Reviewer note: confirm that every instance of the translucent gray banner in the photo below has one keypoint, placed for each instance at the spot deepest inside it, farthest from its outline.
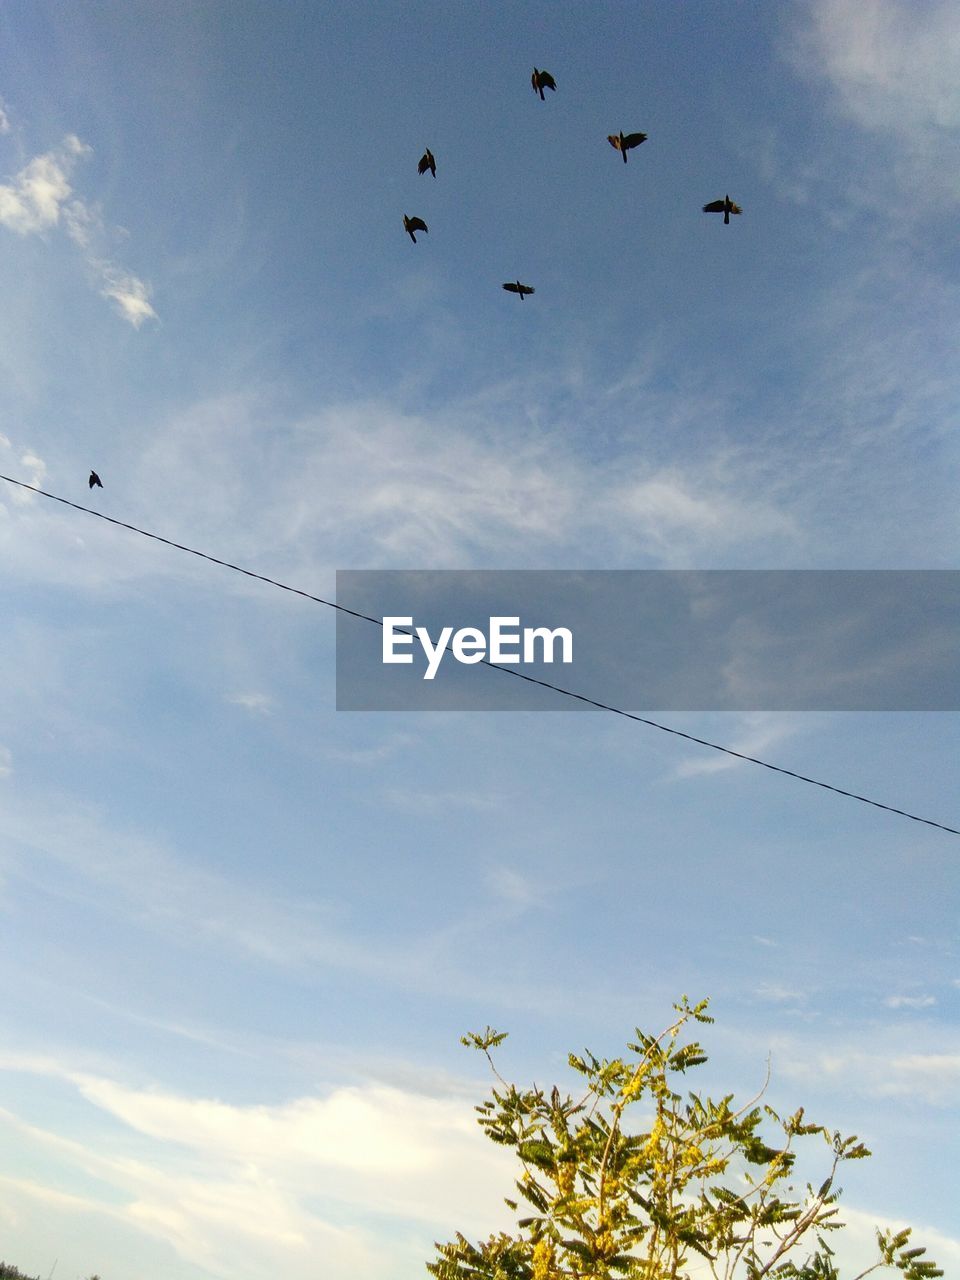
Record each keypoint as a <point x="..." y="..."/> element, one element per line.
<point x="679" y="640"/>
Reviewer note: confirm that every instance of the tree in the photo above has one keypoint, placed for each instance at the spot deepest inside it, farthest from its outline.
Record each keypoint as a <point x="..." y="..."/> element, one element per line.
<point x="699" y="1181"/>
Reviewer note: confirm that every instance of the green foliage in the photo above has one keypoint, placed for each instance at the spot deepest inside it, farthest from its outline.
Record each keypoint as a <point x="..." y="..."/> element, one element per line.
<point x="701" y="1179"/>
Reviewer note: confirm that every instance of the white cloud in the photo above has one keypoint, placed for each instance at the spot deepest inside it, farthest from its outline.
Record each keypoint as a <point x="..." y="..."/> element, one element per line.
<point x="33" y="202"/>
<point x="894" y="67"/>
<point x="909" y="1002"/>
<point x="373" y="1130"/>
<point x="4" y="118"/>
<point x="129" y="293"/>
<point x="856" y="1245"/>
<point x="33" y="471"/>
<point x="931" y="1078"/>
<point x="239" y="1188"/>
<point x="516" y="890"/>
<point x="758" y="732"/>
<point x="776" y="994"/>
<point x="391" y="746"/>
<point x="437" y="802"/>
<point x="35" y="199"/>
<point x="671" y="505"/>
<point x="438" y="492"/>
<point x="895" y="64"/>
<point x="39" y="198"/>
<point x="257" y="703"/>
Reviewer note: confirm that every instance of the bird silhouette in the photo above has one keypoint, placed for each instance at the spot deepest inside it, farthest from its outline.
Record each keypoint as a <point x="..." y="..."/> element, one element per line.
<point x="542" y="80"/>
<point x="427" y="162"/>
<point x="724" y="206"/>
<point x="410" y="225"/>
<point x="95" y="480"/>
<point x="519" y="288"/>
<point x="625" y="142"/>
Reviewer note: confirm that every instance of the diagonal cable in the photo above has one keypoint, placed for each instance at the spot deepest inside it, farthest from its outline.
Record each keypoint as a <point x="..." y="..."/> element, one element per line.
<point x="509" y="671"/>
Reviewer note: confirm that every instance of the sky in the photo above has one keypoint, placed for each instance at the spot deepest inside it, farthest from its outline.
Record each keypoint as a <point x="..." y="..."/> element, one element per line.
<point x="242" y="931"/>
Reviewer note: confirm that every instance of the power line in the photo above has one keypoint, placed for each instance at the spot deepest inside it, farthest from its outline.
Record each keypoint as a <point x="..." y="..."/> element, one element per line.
<point x="519" y="675"/>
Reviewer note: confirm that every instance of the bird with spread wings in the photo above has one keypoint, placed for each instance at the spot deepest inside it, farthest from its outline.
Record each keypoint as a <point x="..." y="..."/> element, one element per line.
<point x="625" y="142"/>
<point x="542" y="80"/>
<point x="410" y="225"/>
<point x="724" y="206"/>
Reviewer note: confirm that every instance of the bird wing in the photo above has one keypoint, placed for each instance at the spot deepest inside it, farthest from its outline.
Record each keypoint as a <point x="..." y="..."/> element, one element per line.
<point x="424" y="165"/>
<point x="634" y="139"/>
<point x="614" y="140"/>
<point x="417" y="224"/>
<point x="512" y="288"/>
<point x="735" y="208"/>
<point x="525" y="288"/>
<point x="547" y="80"/>
<point x="715" y="206"/>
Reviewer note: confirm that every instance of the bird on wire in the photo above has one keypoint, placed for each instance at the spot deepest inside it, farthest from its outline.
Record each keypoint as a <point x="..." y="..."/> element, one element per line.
<point x="542" y="80"/>
<point x="724" y="206"/>
<point x="410" y="225"/>
<point x="625" y="142"/>
<point x="427" y="162"/>
<point x="519" y="288"/>
<point x="95" y="480"/>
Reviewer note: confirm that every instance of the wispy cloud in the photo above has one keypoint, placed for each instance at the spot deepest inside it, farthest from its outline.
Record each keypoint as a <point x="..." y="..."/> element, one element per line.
<point x="282" y="1183"/>
<point x="931" y="1078"/>
<point x="130" y="294"/>
<point x="894" y="69"/>
<point x="894" y="64"/>
<point x="35" y="200"/>
<point x="372" y="485"/>
<point x="773" y="993"/>
<point x="34" y="471"/>
<point x="437" y="802"/>
<point x="41" y="197"/>
<point x="385" y="750"/>
<point x="257" y="703"/>
<point x="758" y="731"/>
<point x="518" y="892"/>
<point x="910" y="1002"/>
<point x="855" y="1246"/>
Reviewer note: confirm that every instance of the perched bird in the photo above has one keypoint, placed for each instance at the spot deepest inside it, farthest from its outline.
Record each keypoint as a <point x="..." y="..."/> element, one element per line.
<point x="542" y="80"/>
<point x="95" y="480"/>
<point x="724" y="206"/>
<point x="410" y="225"/>
<point x="427" y="162"/>
<point x="519" y="288"/>
<point x="625" y="143"/>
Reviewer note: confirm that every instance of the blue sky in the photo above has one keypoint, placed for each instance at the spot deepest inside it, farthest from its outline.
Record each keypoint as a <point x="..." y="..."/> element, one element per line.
<point x="242" y="931"/>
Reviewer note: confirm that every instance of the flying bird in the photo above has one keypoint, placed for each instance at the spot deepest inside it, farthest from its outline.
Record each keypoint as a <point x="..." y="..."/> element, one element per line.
<point x="410" y="225"/>
<point x="625" y="142"/>
<point x="95" y="480"/>
<point x="427" y="162"/>
<point x="519" y="288"/>
<point x="724" y="206"/>
<point x="542" y="80"/>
